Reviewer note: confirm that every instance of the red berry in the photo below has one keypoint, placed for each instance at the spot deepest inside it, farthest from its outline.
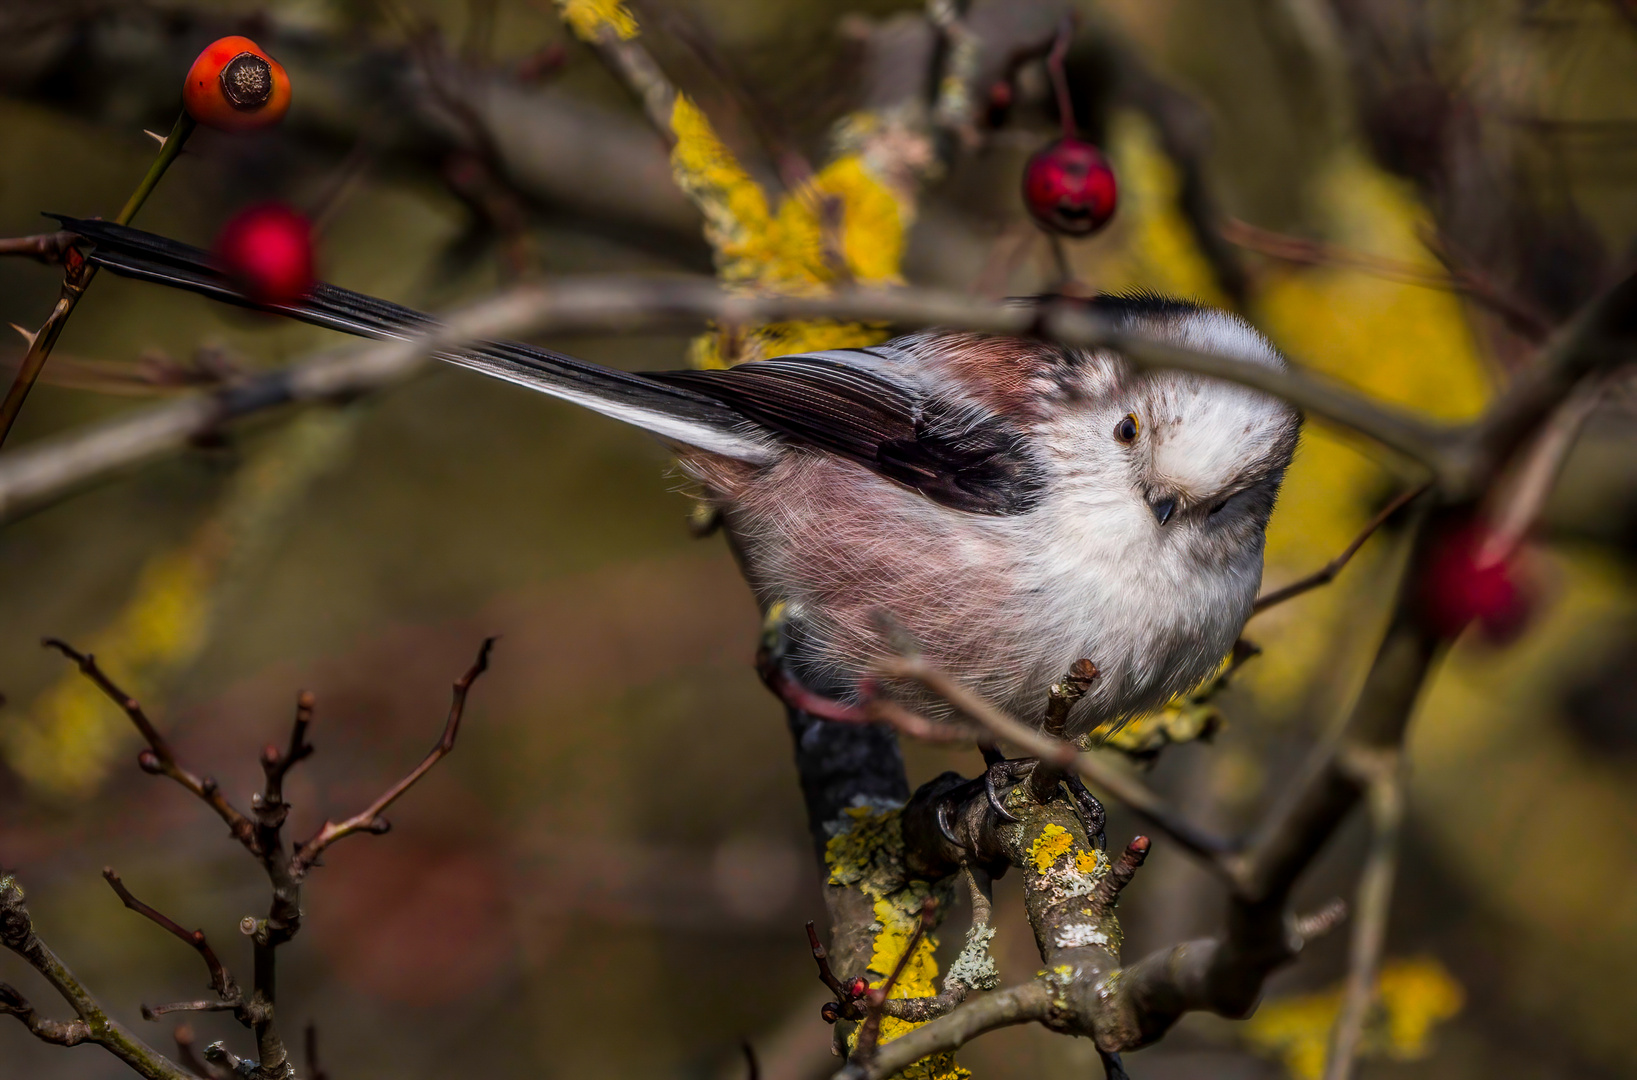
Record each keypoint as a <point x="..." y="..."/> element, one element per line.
<point x="858" y="988"/>
<point x="1069" y="187"/>
<point x="268" y="251"/>
<point x="1458" y="587"/>
<point x="234" y="86"/>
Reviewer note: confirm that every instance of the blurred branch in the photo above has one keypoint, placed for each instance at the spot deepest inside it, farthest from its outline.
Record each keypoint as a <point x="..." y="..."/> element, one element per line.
<point x="617" y="305"/>
<point x="1211" y="850"/>
<point x="370" y="820"/>
<point x="1533" y="323"/>
<point x="159" y="759"/>
<point x="1384" y="775"/>
<point x="1327" y="573"/>
<point x="1516" y="500"/>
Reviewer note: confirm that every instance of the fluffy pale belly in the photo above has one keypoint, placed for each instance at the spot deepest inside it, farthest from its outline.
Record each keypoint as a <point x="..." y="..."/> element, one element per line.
<point x="967" y="591"/>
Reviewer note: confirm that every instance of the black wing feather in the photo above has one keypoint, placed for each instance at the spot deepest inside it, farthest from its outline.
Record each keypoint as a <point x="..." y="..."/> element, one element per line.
<point x="971" y="462"/>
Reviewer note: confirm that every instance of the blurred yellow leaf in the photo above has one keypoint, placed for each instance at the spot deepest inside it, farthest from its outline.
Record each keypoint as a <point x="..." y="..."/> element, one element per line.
<point x="1412" y="997"/>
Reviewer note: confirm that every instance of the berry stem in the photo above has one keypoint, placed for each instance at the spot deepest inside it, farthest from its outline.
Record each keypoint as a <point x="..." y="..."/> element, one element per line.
<point x="167" y="153"/>
<point x="78" y="278"/>
<point x="1060" y="80"/>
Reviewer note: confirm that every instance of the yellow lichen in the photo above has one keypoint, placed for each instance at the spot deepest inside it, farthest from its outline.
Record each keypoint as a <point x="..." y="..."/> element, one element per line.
<point x="1052" y="844"/>
<point x="1412" y="996"/>
<point x="843" y="223"/>
<point x="590" y="19"/>
<point x="72" y="732"/>
<point x="1086" y="862"/>
<point x="867" y="853"/>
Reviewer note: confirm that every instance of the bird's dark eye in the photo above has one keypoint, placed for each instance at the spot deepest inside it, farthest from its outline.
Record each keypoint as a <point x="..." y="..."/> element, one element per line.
<point x="1126" y="430"/>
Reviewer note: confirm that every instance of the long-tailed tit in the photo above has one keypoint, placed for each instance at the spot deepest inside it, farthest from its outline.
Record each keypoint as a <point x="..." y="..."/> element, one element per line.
<point x="1014" y="505"/>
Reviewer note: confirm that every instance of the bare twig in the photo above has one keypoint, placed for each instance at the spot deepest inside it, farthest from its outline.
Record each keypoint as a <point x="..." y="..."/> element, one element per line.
<point x="1326" y="574"/>
<point x="43" y="247"/>
<point x="1533" y="323"/>
<point x="61" y="1032"/>
<point x="1515" y="502"/>
<point x="94" y="1024"/>
<point x="159" y="759"/>
<point x="369" y="820"/>
<point x="1212" y="850"/>
<point x="314" y="1072"/>
<point x="220" y="980"/>
<point x="1384" y="774"/>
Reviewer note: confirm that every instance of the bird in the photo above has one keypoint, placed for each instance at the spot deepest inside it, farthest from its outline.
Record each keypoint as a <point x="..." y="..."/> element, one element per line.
<point x="1009" y="504"/>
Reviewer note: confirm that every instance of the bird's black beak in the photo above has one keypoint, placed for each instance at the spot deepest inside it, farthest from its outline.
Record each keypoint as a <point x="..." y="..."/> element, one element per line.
<point x="1162" y="508"/>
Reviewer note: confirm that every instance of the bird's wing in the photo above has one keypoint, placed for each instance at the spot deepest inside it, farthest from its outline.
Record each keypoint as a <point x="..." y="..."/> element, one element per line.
<point x="837" y="402"/>
<point x="947" y="450"/>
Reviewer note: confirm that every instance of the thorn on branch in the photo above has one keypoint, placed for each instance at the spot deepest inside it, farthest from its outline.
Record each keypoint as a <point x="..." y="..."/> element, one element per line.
<point x="369" y="820"/>
<point x="220" y="980"/>
<point x="1064" y="695"/>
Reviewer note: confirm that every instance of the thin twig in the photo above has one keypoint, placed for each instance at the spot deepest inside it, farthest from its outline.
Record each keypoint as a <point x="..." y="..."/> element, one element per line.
<point x="1516" y="501"/>
<point x="1328" y="572"/>
<point x="44" y="247"/>
<point x="220" y="980"/>
<point x="369" y="820"/>
<point x="154" y="1012"/>
<point x="1304" y="252"/>
<point x="61" y="1032"/>
<point x="314" y="1071"/>
<point x="1214" y="851"/>
<point x="1375" y="894"/>
<point x="158" y="759"/>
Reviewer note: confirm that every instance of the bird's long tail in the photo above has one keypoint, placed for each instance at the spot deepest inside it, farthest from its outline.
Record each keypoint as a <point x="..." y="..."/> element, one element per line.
<point x="672" y="412"/>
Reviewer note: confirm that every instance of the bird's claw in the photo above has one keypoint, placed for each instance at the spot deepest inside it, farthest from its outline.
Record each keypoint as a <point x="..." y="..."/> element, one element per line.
<point x="1089" y="809"/>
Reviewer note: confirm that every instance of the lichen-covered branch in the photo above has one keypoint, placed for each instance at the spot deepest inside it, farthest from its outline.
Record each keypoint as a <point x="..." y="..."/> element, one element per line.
<point x="94" y="1025"/>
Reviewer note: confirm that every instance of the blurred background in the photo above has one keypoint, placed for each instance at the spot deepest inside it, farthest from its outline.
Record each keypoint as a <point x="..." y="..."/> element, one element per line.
<point x="610" y="875"/>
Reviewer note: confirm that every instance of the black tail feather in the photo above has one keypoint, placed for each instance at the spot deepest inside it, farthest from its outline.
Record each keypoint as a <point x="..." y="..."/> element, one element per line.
<point x="671" y="411"/>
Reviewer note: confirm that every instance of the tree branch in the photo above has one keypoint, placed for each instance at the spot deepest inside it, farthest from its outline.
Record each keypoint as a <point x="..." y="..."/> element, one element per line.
<point x="1385" y="775"/>
<point x="1326" y="574"/>
<point x="93" y="1025"/>
<point x="159" y="759"/>
<point x="220" y="980"/>
<point x="370" y="820"/>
